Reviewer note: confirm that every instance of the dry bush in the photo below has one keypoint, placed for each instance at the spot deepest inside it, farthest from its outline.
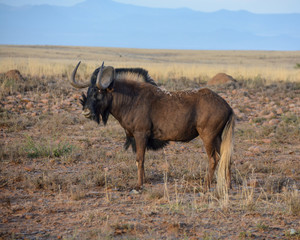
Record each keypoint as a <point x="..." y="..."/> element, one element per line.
<point x="292" y="200"/>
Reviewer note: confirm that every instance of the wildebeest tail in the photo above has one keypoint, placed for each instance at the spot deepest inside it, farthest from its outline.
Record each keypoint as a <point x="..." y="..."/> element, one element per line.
<point x="223" y="175"/>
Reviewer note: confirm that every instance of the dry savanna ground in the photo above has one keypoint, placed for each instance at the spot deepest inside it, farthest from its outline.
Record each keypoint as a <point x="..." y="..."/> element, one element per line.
<point x="65" y="177"/>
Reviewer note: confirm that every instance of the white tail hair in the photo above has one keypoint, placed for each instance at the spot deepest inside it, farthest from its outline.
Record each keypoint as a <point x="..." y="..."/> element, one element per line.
<point x="223" y="174"/>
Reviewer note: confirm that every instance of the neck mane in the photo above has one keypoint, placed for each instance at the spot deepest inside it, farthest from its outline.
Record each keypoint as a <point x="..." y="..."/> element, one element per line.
<point x="134" y="74"/>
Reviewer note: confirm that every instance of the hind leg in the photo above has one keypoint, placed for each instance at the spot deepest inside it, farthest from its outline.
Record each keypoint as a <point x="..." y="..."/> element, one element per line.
<point x="212" y="148"/>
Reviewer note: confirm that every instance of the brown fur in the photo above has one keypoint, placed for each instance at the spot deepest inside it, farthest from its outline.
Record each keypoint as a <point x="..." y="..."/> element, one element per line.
<point x="148" y="113"/>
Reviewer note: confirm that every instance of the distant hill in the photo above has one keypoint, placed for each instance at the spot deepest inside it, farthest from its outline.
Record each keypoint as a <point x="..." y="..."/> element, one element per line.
<point x="111" y="24"/>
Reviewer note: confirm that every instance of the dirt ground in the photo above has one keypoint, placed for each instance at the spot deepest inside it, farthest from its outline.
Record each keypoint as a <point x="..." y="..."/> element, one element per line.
<point x="65" y="177"/>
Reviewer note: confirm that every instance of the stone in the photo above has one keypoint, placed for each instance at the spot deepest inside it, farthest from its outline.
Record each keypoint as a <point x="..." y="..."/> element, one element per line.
<point x="266" y="140"/>
<point x="29" y="105"/>
<point x="134" y="192"/>
<point x="274" y="122"/>
<point x="46" y="95"/>
<point x="109" y="154"/>
<point x="279" y="111"/>
<point x="45" y="101"/>
<point x="25" y="100"/>
<point x="255" y="149"/>
<point x="293" y="232"/>
<point x="270" y="115"/>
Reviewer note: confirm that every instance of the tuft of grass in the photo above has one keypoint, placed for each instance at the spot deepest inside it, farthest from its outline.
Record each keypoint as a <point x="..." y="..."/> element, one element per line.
<point x="288" y="129"/>
<point x="53" y="182"/>
<point x="34" y="149"/>
<point x="255" y="82"/>
<point x="291" y="119"/>
<point x="155" y="194"/>
<point x="292" y="200"/>
<point x="77" y="193"/>
<point x="262" y="226"/>
<point x="245" y="235"/>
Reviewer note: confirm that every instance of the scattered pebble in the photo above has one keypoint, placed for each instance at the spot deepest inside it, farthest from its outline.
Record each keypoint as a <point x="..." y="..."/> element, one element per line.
<point x="134" y="191"/>
<point x="293" y="232"/>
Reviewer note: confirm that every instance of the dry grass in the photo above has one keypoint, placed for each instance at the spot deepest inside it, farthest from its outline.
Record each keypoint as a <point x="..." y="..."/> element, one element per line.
<point x="161" y="64"/>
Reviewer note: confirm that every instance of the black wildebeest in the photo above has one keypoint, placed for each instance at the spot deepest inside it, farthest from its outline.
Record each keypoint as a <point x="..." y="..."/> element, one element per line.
<point x="151" y="116"/>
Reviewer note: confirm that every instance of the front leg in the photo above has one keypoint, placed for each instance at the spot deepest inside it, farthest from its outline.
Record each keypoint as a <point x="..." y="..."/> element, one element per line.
<point x="141" y="141"/>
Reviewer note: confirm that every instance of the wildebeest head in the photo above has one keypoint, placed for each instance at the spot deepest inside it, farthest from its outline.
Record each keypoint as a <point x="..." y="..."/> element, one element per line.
<point x="97" y="101"/>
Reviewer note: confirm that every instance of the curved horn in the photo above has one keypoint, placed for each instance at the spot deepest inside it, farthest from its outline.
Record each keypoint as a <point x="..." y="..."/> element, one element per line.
<point x="74" y="83"/>
<point x="99" y="76"/>
<point x="105" y="77"/>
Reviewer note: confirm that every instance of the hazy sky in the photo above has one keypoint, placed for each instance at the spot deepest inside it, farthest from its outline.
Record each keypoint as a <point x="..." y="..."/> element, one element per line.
<point x="256" y="6"/>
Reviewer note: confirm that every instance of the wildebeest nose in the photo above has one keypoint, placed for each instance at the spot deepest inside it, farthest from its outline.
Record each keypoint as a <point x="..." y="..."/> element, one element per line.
<point x="86" y="112"/>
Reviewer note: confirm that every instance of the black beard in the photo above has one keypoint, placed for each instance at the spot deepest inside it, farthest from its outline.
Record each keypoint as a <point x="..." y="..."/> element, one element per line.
<point x="83" y="100"/>
<point x="105" y="116"/>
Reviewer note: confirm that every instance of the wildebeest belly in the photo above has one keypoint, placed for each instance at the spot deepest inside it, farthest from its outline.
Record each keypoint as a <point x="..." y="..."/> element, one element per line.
<point x="172" y="131"/>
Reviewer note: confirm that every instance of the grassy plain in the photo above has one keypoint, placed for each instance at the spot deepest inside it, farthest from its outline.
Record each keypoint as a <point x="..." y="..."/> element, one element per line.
<point x="161" y="64"/>
<point x="65" y="177"/>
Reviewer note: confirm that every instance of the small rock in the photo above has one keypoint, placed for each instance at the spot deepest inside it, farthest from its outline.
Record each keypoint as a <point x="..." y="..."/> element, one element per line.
<point x="292" y="105"/>
<point x="272" y="103"/>
<point x="29" y="105"/>
<point x="274" y="122"/>
<point x="28" y="216"/>
<point x="270" y="115"/>
<point x="67" y="102"/>
<point x="46" y="95"/>
<point x="76" y="96"/>
<point x="28" y="168"/>
<point x="45" y="101"/>
<point x="279" y="111"/>
<point x="266" y="140"/>
<point x="255" y="149"/>
<point x="134" y="191"/>
<point x="262" y="113"/>
<point x="252" y="183"/>
<point x="25" y="100"/>
<point x="182" y="148"/>
<point x="109" y="154"/>
<point x="8" y="106"/>
<point x="271" y="135"/>
<point x="293" y="232"/>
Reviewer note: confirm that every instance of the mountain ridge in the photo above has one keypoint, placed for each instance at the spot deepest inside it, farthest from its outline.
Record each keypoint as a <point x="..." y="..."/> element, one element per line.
<point x="112" y="24"/>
